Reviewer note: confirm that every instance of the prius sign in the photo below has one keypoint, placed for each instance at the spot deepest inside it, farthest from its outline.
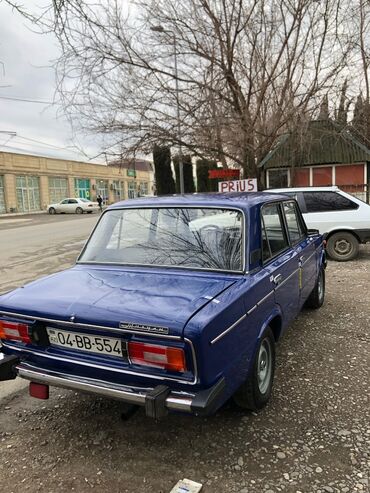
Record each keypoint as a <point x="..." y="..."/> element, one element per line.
<point x="247" y="185"/>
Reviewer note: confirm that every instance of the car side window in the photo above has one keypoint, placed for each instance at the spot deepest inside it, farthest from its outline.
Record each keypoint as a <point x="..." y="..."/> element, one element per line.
<point x="274" y="239"/>
<point x="72" y="201"/>
<point x="295" y="229"/>
<point x="327" y="201"/>
<point x="64" y="201"/>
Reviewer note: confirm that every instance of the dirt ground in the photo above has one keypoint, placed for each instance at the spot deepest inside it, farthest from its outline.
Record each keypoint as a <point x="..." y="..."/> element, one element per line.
<point x="314" y="436"/>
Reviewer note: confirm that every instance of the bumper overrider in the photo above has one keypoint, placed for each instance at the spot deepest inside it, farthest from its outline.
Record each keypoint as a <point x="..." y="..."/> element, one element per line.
<point x="157" y="401"/>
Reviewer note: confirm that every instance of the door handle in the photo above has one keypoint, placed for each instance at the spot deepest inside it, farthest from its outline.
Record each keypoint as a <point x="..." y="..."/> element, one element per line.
<point x="277" y="279"/>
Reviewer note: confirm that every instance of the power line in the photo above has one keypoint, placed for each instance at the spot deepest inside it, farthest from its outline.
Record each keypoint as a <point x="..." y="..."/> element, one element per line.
<point x="42" y="143"/>
<point x="38" y="101"/>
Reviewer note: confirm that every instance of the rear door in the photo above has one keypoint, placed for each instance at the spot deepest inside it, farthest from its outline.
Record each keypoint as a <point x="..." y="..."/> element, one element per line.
<point x="72" y="205"/>
<point x="304" y="247"/>
<point x="280" y="260"/>
<point x="63" y="206"/>
<point x="327" y="211"/>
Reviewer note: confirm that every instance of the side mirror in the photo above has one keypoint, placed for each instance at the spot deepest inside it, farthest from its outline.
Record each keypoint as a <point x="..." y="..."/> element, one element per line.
<point x="313" y="232"/>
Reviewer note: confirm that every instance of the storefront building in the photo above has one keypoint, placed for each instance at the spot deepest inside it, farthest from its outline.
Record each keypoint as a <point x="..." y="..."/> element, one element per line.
<point x="29" y="183"/>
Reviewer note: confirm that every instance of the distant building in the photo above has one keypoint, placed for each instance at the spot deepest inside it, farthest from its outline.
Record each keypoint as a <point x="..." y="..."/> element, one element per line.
<point x="133" y="169"/>
<point x="28" y="183"/>
<point x="324" y="154"/>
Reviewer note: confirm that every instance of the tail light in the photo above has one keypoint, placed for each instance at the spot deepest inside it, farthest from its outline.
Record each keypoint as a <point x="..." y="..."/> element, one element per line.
<point x="165" y="357"/>
<point x="14" y="331"/>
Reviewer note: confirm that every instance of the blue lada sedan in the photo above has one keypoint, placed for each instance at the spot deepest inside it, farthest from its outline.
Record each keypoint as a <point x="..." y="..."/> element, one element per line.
<point x="175" y="304"/>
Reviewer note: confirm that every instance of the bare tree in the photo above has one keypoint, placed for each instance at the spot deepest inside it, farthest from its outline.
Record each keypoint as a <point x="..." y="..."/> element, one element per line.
<point x="248" y="71"/>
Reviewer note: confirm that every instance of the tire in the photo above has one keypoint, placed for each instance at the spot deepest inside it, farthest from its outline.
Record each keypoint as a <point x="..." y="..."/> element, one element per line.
<point x="79" y="210"/>
<point x="51" y="210"/>
<point x="256" y="391"/>
<point x="342" y="246"/>
<point x="317" y="296"/>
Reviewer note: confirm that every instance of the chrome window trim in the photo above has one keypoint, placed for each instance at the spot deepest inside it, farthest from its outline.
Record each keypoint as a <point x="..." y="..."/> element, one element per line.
<point x="284" y="229"/>
<point x="185" y="206"/>
<point x="299" y="219"/>
<point x="115" y="330"/>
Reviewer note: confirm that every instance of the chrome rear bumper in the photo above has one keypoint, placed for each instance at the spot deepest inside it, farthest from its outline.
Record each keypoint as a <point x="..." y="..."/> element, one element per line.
<point x="157" y="401"/>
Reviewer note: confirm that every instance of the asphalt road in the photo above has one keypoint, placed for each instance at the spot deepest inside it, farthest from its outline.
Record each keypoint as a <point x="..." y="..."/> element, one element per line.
<point x="34" y="246"/>
<point x="313" y="437"/>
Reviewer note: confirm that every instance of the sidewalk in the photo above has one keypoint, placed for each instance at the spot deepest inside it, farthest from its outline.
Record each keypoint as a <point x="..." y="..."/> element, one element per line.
<point x="15" y="214"/>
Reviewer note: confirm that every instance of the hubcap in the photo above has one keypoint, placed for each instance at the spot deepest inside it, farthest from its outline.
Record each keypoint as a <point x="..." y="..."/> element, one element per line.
<point x="264" y="366"/>
<point x="342" y="247"/>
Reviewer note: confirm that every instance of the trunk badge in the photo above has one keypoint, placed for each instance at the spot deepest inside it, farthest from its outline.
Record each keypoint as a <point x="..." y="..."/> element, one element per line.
<point x="72" y="318"/>
<point x="155" y="329"/>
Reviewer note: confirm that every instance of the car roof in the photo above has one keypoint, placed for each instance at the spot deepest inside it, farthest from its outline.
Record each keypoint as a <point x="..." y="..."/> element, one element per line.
<point x="333" y="188"/>
<point x="244" y="200"/>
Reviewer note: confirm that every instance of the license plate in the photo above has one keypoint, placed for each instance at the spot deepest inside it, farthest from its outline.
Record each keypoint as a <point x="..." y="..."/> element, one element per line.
<point x="86" y="342"/>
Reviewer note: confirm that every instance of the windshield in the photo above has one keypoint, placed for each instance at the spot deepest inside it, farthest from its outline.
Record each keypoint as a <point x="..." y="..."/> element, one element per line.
<point x="178" y="237"/>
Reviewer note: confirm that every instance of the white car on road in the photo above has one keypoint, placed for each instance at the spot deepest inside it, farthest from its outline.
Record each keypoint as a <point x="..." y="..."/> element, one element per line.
<point x="73" y="206"/>
<point x="344" y="218"/>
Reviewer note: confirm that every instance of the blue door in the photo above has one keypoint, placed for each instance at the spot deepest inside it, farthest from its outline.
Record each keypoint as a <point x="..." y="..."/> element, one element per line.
<point x="304" y="247"/>
<point x="280" y="260"/>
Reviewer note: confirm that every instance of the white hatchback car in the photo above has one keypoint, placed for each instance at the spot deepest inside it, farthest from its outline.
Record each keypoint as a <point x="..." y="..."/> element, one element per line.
<point x="344" y="218"/>
<point x="73" y="206"/>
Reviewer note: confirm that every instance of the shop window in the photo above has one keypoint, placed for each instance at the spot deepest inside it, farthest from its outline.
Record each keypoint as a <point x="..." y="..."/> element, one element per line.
<point x="28" y="193"/>
<point x="278" y="178"/>
<point x="58" y="189"/>
<point x="322" y="177"/>
<point x="301" y="177"/>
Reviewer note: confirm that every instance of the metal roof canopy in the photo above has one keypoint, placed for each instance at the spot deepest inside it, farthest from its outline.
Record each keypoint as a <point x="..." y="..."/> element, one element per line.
<point x="322" y="142"/>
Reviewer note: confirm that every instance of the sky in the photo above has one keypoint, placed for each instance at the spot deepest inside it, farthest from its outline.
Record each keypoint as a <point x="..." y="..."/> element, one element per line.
<point x="26" y="72"/>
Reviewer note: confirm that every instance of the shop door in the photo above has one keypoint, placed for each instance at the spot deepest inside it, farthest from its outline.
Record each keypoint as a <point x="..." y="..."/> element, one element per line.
<point x="82" y="188"/>
<point x="28" y="193"/>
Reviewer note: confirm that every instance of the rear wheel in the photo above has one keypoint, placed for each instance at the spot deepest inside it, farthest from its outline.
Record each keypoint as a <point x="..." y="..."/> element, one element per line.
<point x="52" y="210"/>
<point x="79" y="210"/>
<point x="255" y="392"/>
<point x="316" y="298"/>
<point x="342" y="246"/>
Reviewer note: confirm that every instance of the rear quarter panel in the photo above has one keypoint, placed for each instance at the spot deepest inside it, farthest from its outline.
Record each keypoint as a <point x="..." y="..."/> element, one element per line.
<point x="231" y="355"/>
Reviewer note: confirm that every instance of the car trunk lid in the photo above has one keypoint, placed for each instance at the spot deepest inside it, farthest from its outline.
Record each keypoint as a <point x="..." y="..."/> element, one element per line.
<point x="112" y="297"/>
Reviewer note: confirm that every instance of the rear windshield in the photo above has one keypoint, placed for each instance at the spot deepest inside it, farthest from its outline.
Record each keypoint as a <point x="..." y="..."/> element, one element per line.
<point x="178" y="237"/>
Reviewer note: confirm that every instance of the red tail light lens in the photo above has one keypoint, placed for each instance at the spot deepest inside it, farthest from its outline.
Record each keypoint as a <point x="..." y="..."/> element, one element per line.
<point x="14" y="331"/>
<point x="165" y="357"/>
<point x="39" y="390"/>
